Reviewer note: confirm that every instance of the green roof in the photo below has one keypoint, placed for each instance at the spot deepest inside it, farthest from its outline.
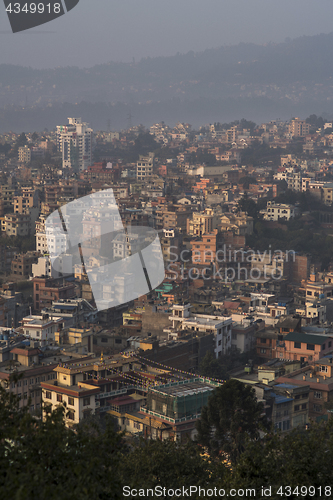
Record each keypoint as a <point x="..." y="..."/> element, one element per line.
<point x="307" y="338"/>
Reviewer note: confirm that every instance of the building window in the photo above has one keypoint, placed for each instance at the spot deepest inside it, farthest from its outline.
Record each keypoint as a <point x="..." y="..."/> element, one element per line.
<point x="286" y="425"/>
<point x="317" y="394"/>
<point x="48" y="395"/>
<point x="297" y="345"/>
<point x="71" y="401"/>
<point x="86" y="401"/>
<point x="310" y="347"/>
<point x="71" y="415"/>
<point x="297" y="407"/>
<point x="59" y="398"/>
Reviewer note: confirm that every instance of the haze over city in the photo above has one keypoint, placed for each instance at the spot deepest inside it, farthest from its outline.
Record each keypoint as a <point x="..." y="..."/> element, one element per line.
<point x="99" y="31"/>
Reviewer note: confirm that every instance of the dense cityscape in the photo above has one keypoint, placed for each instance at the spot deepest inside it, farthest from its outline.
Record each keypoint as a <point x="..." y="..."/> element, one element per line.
<point x="229" y="357"/>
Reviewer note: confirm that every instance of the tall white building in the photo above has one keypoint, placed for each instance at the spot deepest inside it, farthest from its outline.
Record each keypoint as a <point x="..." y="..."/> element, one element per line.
<point x="144" y="166"/>
<point x="75" y="142"/>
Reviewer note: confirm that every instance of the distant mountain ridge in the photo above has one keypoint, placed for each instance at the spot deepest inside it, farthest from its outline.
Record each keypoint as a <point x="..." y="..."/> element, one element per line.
<point x="295" y="75"/>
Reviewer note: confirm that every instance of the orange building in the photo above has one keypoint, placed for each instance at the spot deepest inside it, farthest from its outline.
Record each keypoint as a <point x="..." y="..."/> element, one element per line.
<point x="204" y="249"/>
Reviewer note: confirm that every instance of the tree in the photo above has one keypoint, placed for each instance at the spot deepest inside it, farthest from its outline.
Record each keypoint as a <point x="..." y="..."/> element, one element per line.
<point x="231" y="418"/>
<point x="248" y="205"/>
<point x="45" y="459"/>
<point x="169" y="464"/>
<point x="296" y="460"/>
<point x="246" y="181"/>
<point x="211" y="367"/>
<point x="22" y="140"/>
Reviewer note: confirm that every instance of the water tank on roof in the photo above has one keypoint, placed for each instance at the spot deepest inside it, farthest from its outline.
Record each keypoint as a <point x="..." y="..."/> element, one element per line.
<point x="322" y="296"/>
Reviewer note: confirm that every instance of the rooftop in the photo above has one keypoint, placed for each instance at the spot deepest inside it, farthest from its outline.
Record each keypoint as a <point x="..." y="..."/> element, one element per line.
<point x="307" y="338"/>
<point x="186" y="388"/>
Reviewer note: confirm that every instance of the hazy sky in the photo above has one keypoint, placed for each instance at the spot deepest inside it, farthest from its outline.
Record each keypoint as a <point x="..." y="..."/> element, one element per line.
<point x="98" y="31"/>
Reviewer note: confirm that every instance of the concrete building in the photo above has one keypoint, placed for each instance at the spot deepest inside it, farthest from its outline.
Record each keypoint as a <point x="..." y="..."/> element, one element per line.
<point x="22" y="264"/>
<point x="75" y="143"/>
<point x="299" y="128"/>
<point x="279" y="211"/>
<point x="239" y="223"/>
<point x="24" y="154"/>
<point x="73" y="311"/>
<point x="290" y="406"/>
<point x="177" y="405"/>
<point x="220" y="326"/>
<point x="304" y="347"/>
<point x="318" y="376"/>
<point x="47" y="289"/>
<point x="80" y="398"/>
<point x="16" y="224"/>
<point x="293" y="177"/>
<point x="202" y="222"/>
<point x="144" y="166"/>
<point x="42" y="328"/>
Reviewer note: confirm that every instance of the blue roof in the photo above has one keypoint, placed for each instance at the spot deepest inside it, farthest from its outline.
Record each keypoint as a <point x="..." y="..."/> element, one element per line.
<point x="286" y="386"/>
<point x="281" y="399"/>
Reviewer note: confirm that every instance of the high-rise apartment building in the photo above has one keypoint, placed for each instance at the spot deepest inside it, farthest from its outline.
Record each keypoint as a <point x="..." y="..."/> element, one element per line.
<point x="75" y="142"/>
<point x="144" y="166"/>
<point x="299" y="128"/>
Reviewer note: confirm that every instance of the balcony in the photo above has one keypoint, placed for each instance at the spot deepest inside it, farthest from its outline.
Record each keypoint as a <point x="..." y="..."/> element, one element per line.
<point x="280" y="343"/>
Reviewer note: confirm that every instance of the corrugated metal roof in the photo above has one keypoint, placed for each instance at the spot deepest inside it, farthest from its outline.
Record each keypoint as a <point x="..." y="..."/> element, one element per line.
<point x="307" y="338"/>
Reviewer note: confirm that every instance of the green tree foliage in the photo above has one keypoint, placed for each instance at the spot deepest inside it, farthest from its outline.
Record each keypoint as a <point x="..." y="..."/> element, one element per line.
<point x="249" y="206"/>
<point x="232" y="418"/>
<point x="22" y="140"/>
<point x="246" y="181"/>
<point x="145" y="143"/>
<point x="4" y="148"/>
<point x="243" y="123"/>
<point x="168" y="464"/>
<point x="45" y="460"/>
<point x="261" y="154"/>
<point x="24" y="243"/>
<point x="302" y="457"/>
<point x="218" y="368"/>
<point x="202" y="156"/>
<point x="212" y="368"/>
<point x="315" y="121"/>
